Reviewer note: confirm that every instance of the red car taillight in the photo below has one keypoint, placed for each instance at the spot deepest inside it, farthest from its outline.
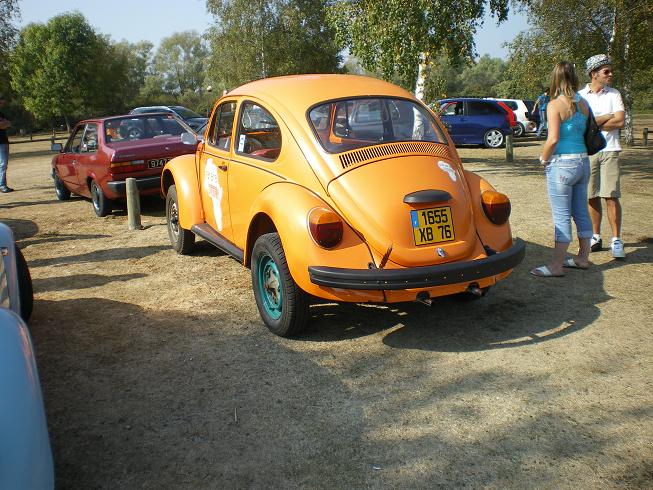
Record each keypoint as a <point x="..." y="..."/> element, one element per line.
<point x="510" y="115"/>
<point x="325" y="227"/>
<point x="124" y="167"/>
<point x="496" y="206"/>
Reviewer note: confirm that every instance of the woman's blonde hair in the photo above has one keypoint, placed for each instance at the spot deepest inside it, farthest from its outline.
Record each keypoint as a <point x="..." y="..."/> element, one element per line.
<point x="563" y="80"/>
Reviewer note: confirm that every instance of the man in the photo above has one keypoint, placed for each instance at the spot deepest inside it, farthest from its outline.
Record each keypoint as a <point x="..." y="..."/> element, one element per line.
<point x="608" y="108"/>
<point x="4" y="148"/>
<point x="540" y="103"/>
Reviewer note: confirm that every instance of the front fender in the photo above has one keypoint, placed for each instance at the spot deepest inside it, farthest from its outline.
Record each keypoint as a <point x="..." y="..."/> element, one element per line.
<point x="287" y="206"/>
<point x="497" y="237"/>
<point x="181" y="172"/>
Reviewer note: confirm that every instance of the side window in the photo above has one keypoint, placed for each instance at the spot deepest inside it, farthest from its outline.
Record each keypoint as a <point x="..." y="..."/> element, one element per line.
<point x="258" y="133"/>
<point x="478" y="108"/>
<point x="89" y="140"/>
<point x="222" y="126"/>
<point x="74" y="143"/>
<point x="453" y="109"/>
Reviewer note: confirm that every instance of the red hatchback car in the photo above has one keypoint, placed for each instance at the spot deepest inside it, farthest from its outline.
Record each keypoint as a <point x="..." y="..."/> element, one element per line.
<point x="101" y="153"/>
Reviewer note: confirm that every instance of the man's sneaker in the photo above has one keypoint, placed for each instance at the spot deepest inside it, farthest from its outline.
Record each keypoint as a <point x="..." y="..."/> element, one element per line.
<point x="6" y="189"/>
<point x="617" y="248"/>
<point x="596" y="244"/>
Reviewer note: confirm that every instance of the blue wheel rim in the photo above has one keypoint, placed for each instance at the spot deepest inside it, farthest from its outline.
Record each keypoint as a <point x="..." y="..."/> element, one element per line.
<point x="269" y="286"/>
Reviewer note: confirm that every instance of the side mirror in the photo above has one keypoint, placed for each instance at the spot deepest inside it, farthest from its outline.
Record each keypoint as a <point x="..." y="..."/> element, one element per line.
<point x="56" y="147"/>
<point x="188" y="138"/>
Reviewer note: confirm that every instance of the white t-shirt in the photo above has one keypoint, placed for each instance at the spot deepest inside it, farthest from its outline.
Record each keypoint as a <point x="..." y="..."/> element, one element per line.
<point x="605" y="101"/>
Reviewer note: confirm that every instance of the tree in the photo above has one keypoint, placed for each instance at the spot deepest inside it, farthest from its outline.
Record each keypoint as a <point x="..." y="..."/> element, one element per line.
<point x="8" y="10"/>
<point x="55" y="68"/>
<point x="577" y="29"/>
<point x="254" y="39"/>
<point x="400" y="37"/>
<point x="180" y="62"/>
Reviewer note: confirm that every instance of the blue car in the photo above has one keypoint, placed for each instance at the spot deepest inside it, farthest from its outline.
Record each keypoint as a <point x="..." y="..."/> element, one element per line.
<point x="472" y="121"/>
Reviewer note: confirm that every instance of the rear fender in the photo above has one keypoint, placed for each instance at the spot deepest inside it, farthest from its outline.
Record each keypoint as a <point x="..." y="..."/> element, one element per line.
<point x="181" y="172"/>
<point x="497" y="237"/>
<point x="284" y="207"/>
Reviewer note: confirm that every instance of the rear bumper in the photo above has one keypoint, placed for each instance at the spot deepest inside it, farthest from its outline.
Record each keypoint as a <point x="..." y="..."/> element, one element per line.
<point x="419" y="277"/>
<point x="119" y="187"/>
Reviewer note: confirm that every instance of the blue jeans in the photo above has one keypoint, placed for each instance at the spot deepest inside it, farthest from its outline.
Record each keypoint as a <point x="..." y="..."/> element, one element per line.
<point x="542" y="125"/>
<point x="4" y="161"/>
<point x="566" y="178"/>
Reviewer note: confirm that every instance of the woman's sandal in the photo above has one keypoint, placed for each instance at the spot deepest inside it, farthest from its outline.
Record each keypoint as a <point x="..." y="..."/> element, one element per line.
<point x="543" y="271"/>
<point x="570" y="263"/>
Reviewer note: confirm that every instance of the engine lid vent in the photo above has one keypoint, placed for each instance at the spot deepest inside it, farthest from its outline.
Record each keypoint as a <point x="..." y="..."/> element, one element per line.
<point x="377" y="152"/>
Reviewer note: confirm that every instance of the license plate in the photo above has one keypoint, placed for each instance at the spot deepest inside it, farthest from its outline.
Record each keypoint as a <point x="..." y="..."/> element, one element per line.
<point x="433" y="225"/>
<point x="157" y="162"/>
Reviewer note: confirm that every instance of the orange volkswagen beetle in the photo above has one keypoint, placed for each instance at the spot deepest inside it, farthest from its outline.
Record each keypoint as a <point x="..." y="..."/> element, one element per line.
<point x="341" y="187"/>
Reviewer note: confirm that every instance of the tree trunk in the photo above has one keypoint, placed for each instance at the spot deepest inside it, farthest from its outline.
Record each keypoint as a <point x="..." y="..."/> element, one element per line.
<point x="67" y="124"/>
<point x="422" y="73"/>
<point x="629" y="138"/>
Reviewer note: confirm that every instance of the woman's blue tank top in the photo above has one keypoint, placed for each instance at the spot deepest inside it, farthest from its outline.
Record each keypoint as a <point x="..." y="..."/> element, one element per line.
<point x="572" y="132"/>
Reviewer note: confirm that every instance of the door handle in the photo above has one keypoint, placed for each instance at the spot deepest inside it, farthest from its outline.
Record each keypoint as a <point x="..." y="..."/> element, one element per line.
<point x="223" y="167"/>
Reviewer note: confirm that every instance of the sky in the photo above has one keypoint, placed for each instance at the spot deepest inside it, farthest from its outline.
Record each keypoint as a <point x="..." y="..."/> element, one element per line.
<point x="153" y="20"/>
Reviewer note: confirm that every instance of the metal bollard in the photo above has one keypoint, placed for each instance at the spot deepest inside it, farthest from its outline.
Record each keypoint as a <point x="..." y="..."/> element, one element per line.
<point x="133" y="205"/>
<point x="645" y="134"/>
<point x="509" y="148"/>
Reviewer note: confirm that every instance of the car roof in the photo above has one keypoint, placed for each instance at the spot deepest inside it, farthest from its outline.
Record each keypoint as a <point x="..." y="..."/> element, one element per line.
<point x="298" y="92"/>
<point x="108" y="118"/>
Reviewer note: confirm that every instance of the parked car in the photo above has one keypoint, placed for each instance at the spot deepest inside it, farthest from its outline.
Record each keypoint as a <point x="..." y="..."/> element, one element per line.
<point x="25" y="453"/>
<point x="101" y="153"/>
<point x="522" y="110"/>
<point x="340" y="187"/>
<point x="192" y="118"/>
<point x="473" y="121"/>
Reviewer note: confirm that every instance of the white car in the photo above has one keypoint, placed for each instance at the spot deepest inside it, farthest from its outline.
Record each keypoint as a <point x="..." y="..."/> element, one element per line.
<point x="521" y="108"/>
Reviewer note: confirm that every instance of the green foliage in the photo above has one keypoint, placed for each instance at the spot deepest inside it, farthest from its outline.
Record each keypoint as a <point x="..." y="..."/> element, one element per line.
<point x="179" y="62"/>
<point x="253" y="39"/>
<point x="391" y="35"/>
<point x="60" y="68"/>
<point x="8" y="10"/>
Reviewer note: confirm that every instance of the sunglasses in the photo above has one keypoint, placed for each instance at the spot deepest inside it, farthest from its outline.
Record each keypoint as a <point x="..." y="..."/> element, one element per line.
<point x="606" y="72"/>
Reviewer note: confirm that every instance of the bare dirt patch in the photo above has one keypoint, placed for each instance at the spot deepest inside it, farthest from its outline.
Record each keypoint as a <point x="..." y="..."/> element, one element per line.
<point x="158" y="373"/>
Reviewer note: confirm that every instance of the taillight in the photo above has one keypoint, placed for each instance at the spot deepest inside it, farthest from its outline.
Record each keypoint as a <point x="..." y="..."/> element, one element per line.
<point x="510" y="114"/>
<point x="325" y="227"/>
<point x="496" y="206"/>
<point x="123" y="167"/>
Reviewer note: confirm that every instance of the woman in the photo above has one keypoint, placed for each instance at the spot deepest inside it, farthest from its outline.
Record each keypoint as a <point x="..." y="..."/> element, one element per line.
<point x="564" y="155"/>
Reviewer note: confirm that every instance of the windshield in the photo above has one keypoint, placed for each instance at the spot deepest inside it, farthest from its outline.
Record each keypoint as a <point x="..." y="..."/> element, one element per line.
<point x="143" y="127"/>
<point x="185" y="113"/>
<point x="348" y="124"/>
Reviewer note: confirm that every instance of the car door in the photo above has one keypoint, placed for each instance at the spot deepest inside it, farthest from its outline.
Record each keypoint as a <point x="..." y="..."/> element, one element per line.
<point x="214" y="162"/>
<point x="67" y="161"/>
<point x="88" y="163"/>
<point x="454" y="119"/>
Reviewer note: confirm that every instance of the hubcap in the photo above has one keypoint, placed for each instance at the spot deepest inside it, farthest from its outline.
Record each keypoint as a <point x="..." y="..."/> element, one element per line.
<point x="269" y="283"/>
<point x="174" y="219"/>
<point x="96" y="196"/>
<point x="494" y="138"/>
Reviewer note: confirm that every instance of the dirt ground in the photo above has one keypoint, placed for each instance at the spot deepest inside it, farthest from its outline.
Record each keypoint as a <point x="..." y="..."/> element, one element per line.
<point x="158" y="373"/>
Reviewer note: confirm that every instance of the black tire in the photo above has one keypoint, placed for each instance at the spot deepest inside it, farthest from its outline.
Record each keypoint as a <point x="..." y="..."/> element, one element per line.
<point x="520" y="130"/>
<point x="25" y="291"/>
<point x="182" y="240"/>
<point x="493" y="138"/>
<point x="101" y="204"/>
<point x="282" y="304"/>
<point x="63" y="193"/>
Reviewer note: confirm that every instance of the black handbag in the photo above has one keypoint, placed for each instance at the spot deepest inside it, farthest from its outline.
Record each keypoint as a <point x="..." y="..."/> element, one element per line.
<point x="594" y="139"/>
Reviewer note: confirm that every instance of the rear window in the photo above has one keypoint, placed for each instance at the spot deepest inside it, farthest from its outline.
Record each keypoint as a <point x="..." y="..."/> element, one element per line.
<point x="141" y="128"/>
<point x="510" y="103"/>
<point x="355" y="123"/>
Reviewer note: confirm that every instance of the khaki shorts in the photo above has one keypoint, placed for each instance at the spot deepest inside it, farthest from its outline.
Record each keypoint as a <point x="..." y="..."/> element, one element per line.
<point x="604" y="175"/>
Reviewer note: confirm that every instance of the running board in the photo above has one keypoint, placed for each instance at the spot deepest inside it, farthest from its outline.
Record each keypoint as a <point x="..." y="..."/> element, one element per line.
<point x="214" y="238"/>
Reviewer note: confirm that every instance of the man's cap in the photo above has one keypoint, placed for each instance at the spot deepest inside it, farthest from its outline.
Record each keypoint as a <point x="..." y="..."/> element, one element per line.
<point x="597" y="61"/>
